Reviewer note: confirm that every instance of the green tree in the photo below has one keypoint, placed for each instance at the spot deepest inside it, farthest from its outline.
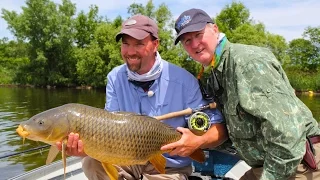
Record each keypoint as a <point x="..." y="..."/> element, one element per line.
<point x="252" y="34"/>
<point x="47" y="28"/>
<point x="13" y="55"/>
<point x="278" y="46"/>
<point x="85" y="26"/>
<point x="234" y="21"/>
<point x="117" y="22"/>
<point x="97" y="59"/>
<point x="313" y="33"/>
<point x="231" y="17"/>
<point x="303" y="54"/>
<point x="56" y="47"/>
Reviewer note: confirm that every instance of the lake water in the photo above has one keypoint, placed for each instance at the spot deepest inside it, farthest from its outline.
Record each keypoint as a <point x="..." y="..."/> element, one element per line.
<point x="19" y="104"/>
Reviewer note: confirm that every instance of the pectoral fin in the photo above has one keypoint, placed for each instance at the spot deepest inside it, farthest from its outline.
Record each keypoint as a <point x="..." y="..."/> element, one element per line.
<point x="111" y="171"/>
<point x="53" y="152"/>
<point x="64" y="157"/>
<point x="198" y="155"/>
<point x="159" y="163"/>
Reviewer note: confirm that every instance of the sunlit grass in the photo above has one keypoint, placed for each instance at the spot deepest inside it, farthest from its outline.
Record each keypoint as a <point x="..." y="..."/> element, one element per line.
<point x="304" y="81"/>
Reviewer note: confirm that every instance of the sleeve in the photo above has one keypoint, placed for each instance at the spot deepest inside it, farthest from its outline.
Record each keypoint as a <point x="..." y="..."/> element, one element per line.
<point x="264" y="93"/>
<point x="111" y="95"/>
<point x="195" y="100"/>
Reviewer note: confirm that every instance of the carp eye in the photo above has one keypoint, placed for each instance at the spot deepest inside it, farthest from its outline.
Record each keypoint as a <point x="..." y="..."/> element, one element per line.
<point x="41" y="122"/>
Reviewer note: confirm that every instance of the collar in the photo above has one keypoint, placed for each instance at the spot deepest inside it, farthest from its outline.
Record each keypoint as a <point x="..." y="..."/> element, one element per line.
<point x="223" y="57"/>
<point x="218" y="52"/>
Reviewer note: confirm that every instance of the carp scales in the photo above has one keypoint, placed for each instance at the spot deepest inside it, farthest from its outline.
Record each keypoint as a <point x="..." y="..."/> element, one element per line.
<point x="113" y="138"/>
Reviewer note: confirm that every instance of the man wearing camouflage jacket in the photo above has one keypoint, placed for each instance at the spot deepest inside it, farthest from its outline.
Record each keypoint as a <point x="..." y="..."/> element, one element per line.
<point x="272" y="130"/>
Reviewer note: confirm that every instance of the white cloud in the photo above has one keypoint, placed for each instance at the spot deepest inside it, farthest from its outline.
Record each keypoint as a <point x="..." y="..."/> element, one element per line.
<point x="289" y="19"/>
<point x="286" y="18"/>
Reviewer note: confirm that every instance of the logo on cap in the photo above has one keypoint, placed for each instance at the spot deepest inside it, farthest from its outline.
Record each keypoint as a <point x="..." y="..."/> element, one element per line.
<point x="130" y="22"/>
<point x="183" y="21"/>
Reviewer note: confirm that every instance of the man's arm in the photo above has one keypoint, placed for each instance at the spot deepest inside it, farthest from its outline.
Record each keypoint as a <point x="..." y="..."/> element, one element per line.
<point x="265" y="94"/>
<point x="189" y="142"/>
<point x="215" y="136"/>
<point x="111" y="95"/>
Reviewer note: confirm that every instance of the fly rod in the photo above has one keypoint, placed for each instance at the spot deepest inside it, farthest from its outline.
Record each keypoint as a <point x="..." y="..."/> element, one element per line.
<point x="22" y="152"/>
<point x="198" y="120"/>
<point x="185" y="112"/>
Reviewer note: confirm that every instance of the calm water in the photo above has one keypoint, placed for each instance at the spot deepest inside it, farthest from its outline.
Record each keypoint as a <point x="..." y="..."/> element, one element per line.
<point x="19" y="104"/>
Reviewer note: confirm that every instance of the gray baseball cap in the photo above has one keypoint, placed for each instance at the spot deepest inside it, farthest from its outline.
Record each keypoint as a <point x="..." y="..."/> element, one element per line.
<point x="190" y="21"/>
<point x="138" y="27"/>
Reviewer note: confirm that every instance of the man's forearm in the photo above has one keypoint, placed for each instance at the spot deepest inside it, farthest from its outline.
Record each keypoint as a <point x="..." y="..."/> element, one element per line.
<point x="215" y="136"/>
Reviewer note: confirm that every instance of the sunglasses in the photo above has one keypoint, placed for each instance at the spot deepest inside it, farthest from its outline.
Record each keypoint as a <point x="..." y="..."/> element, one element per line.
<point x="212" y="89"/>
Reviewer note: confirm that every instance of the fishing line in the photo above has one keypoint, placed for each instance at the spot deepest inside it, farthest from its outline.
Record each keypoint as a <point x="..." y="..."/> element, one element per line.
<point x="22" y="152"/>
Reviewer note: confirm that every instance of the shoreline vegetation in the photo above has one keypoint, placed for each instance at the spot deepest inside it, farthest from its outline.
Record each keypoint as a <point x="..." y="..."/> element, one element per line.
<point x="309" y="93"/>
<point x="81" y="51"/>
<point x="303" y="82"/>
<point x="297" y="92"/>
<point x="49" y="87"/>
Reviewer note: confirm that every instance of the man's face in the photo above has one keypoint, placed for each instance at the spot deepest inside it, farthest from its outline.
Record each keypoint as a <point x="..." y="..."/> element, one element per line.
<point x="200" y="45"/>
<point x="139" y="54"/>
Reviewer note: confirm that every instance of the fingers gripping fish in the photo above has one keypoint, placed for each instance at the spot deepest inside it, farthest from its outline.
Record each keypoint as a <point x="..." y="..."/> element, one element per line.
<point x="118" y="138"/>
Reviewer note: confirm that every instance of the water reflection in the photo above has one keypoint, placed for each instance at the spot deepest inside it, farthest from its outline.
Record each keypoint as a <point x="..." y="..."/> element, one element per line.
<point x="313" y="103"/>
<point x="19" y="104"/>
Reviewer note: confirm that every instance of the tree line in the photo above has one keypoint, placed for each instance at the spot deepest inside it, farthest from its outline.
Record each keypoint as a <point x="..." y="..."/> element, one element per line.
<point x="56" y="46"/>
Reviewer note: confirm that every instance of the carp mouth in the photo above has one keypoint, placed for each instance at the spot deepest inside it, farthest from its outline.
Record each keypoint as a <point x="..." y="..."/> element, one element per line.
<point x="22" y="132"/>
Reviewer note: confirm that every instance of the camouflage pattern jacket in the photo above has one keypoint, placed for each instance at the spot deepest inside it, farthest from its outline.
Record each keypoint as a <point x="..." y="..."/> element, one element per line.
<point x="267" y="123"/>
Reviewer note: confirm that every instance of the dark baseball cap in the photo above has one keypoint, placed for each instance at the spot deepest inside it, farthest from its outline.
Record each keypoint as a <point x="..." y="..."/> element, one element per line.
<point x="190" y="21"/>
<point x="138" y="27"/>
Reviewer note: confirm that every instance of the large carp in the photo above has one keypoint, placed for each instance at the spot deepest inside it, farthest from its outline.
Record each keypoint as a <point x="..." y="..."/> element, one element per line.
<point x="113" y="138"/>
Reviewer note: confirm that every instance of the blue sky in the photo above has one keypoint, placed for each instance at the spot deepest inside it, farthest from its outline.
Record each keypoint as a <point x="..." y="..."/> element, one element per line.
<point x="288" y="18"/>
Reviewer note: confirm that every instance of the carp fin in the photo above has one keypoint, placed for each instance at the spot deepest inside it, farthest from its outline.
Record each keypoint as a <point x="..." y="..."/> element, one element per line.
<point x="64" y="161"/>
<point x="53" y="152"/>
<point x="198" y="155"/>
<point x="111" y="171"/>
<point x="159" y="163"/>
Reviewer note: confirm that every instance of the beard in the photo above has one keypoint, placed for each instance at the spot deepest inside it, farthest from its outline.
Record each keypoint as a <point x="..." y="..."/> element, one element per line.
<point x="134" y="65"/>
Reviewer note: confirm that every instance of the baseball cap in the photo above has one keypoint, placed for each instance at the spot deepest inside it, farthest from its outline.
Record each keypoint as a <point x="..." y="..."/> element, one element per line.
<point x="190" y="21"/>
<point x="138" y="27"/>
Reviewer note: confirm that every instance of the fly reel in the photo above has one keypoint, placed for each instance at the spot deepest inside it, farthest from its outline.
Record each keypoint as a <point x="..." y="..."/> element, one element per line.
<point x="199" y="121"/>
